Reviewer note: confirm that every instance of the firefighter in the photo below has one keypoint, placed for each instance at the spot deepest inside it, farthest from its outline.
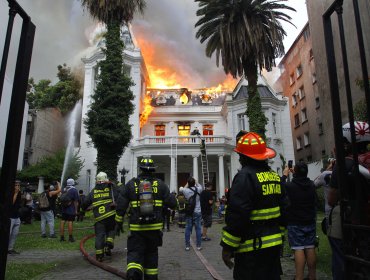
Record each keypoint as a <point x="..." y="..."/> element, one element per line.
<point x="146" y="197"/>
<point x="181" y="208"/>
<point x="103" y="200"/>
<point x="252" y="234"/>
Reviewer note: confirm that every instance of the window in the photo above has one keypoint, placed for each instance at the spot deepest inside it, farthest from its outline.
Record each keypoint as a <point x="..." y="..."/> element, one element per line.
<point x="304" y="115"/>
<point x="298" y="142"/>
<point x="207" y="131"/>
<point x="296" y="120"/>
<point x="126" y="70"/>
<point x="321" y="130"/>
<point x="294" y="100"/>
<point x="317" y="101"/>
<point x="184" y="130"/>
<point x="301" y="93"/>
<point x="306" y="139"/>
<point x="241" y="121"/>
<point x="314" y="78"/>
<point x="299" y="70"/>
<point x="311" y="54"/>
<point x="160" y="130"/>
<point x="291" y="79"/>
<point x="274" y="127"/>
<point x="306" y="34"/>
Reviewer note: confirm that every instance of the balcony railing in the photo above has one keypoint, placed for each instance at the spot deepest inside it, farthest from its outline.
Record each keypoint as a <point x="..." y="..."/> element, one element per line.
<point x="191" y="139"/>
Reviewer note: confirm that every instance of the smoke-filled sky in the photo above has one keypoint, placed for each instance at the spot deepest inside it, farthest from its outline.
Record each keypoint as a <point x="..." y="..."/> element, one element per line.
<point x="63" y="31"/>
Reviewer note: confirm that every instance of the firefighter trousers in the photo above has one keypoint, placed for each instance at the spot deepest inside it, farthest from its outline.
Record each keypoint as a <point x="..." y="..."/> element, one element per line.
<point x="142" y="254"/>
<point x="104" y="235"/>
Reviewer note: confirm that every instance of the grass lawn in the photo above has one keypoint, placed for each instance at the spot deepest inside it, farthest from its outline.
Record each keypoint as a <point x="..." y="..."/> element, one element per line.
<point x="29" y="238"/>
<point x="324" y="251"/>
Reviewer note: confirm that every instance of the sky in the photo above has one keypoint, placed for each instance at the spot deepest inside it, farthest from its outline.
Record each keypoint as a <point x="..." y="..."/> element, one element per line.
<point x="64" y="35"/>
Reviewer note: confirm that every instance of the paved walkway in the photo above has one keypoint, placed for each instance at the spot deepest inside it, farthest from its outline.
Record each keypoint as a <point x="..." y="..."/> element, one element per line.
<point x="174" y="261"/>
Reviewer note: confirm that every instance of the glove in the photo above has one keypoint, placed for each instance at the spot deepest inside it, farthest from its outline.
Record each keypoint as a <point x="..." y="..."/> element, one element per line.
<point x="118" y="228"/>
<point x="227" y="255"/>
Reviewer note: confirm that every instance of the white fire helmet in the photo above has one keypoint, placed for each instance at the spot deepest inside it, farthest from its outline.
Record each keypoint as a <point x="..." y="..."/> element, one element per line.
<point x="362" y="132"/>
<point x="181" y="189"/>
<point x="102" y="177"/>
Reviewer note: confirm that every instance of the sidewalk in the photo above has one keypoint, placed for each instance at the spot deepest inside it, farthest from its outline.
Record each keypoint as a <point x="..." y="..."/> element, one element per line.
<point x="174" y="261"/>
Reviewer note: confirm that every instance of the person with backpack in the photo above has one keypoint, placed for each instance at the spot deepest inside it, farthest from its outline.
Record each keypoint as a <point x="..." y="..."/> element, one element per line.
<point x="69" y="202"/>
<point x="146" y="196"/>
<point x="46" y="212"/>
<point x="206" y="203"/>
<point x="181" y="208"/>
<point x="193" y="213"/>
<point x="355" y="211"/>
<point x="103" y="200"/>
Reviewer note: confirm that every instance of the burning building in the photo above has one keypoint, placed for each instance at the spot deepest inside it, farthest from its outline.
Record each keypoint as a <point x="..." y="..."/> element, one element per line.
<point x="167" y="115"/>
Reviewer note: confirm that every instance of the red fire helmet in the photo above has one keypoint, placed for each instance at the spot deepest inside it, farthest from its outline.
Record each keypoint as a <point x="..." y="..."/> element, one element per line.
<point x="252" y="145"/>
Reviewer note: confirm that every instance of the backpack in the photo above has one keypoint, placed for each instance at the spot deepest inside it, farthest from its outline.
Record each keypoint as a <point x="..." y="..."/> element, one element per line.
<point x="65" y="199"/>
<point x="181" y="202"/>
<point x="190" y="203"/>
<point x="43" y="201"/>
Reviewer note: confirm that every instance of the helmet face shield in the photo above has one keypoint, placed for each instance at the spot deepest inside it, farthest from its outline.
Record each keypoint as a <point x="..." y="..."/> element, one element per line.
<point x="252" y="145"/>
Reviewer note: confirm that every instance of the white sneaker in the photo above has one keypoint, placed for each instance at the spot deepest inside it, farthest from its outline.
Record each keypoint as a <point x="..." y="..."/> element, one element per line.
<point x="199" y="248"/>
<point x="187" y="248"/>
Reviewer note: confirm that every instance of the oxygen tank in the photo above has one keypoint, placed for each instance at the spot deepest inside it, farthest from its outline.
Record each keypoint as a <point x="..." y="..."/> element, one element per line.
<point x="146" y="198"/>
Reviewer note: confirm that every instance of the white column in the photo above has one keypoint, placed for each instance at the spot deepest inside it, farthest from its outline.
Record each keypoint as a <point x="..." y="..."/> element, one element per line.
<point x="195" y="168"/>
<point x="40" y="187"/>
<point x="221" y="174"/>
<point x="173" y="179"/>
<point x="134" y="166"/>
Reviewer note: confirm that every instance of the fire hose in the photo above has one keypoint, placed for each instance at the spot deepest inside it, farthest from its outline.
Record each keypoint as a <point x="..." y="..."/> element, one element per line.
<point x="93" y="261"/>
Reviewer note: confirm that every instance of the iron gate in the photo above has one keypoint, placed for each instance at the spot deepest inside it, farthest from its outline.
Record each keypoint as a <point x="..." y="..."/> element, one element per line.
<point x="356" y="237"/>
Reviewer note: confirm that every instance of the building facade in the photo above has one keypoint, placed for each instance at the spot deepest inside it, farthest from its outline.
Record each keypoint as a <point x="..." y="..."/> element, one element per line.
<point x="315" y="10"/>
<point x="298" y="81"/>
<point x="164" y="122"/>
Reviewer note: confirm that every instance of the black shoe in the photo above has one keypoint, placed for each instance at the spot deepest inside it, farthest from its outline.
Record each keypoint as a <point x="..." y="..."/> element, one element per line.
<point x="107" y="251"/>
<point x="53" y="236"/>
<point x="99" y="258"/>
<point x="62" y="238"/>
<point x="13" y="252"/>
<point x="71" y="239"/>
<point x="43" y="235"/>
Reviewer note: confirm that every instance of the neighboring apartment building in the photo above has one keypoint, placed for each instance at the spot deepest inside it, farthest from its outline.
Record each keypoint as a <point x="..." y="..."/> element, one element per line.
<point x="4" y="114"/>
<point x="315" y="10"/>
<point x="166" y="135"/>
<point x="299" y="83"/>
<point x="45" y="134"/>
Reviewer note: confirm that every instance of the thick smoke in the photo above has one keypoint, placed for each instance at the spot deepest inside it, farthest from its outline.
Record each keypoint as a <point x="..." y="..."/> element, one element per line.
<point x="63" y="31"/>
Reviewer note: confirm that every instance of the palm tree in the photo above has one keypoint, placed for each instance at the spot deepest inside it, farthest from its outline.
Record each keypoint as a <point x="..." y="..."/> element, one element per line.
<point x="107" y="123"/>
<point x="121" y="11"/>
<point x="247" y="35"/>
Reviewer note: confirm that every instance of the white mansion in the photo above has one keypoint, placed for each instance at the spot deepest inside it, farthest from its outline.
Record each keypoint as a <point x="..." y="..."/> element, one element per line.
<point x="166" y="134"/>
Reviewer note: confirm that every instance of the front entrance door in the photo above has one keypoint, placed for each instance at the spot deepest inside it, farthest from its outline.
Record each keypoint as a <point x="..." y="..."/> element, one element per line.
<point x="182" y="179"/>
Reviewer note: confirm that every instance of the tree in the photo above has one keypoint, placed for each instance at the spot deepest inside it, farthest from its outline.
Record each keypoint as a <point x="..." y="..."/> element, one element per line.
<point x="247" y="35"/>
<point x="63" y="95"/>
<point x="107" y="121"/>
<point x="51" y="168"/>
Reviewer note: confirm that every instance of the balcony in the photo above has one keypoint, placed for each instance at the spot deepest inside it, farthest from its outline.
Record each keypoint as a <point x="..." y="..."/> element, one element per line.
<point x="191" y="140"/>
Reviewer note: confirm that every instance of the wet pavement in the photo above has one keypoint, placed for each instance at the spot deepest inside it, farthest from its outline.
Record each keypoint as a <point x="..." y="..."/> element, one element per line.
<point x="174" y="261"/>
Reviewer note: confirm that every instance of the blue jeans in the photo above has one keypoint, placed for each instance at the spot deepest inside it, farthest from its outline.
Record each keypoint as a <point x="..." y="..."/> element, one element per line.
<point x="47" y="217"/>
<point x="14" y="229"/>
<point x="196" y="221"/>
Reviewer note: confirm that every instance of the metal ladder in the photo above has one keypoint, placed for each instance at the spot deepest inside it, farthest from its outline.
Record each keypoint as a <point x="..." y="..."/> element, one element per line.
<point x="204" y="160"/>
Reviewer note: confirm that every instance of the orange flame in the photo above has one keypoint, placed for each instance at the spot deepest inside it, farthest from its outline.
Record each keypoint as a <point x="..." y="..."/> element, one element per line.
<point x="147" y="109"/>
